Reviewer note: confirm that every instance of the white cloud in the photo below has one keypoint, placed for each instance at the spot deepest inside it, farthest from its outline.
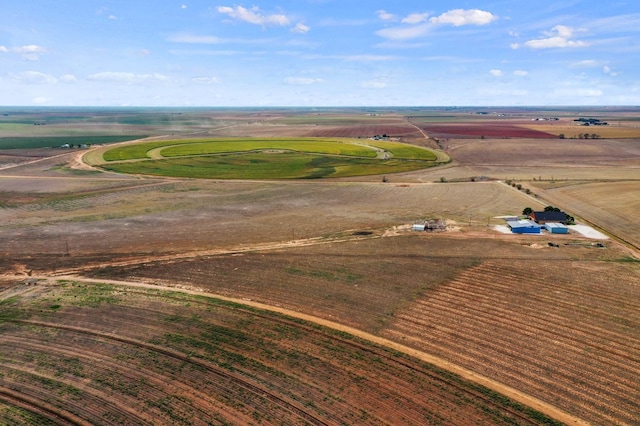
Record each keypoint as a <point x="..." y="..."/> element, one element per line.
<point x="3" y="49"/>
<point x="206" y="80"/>
<point x="128" y="77"/>
<point x="253" y="16"/>
<point x="302" y="81"/>
<point x="561" y="31"/>
<point x="418" y="24"/>
<point x="521" y="73"/>
<point x="559" y="37"/>
<point x="415" y="18"/>
<point x="496" y="73"/>
<point x="184" y="6"/>
<point x="29" y="52"/>
<point x="300" y="28"/>
<point x="113" y="18"/>
<point x="386" y="16"/>
<point x="34" y="77"/>
<point x="460" y="17"/>
<point x="607" y="70"/>
<point x="554" y="42"/>
<point x="68" y="78"/>
<point x="404" y="33"/>
<point x="374" y="84"/>
<point x="368" y="58"/>
<point x="587" y="63"/>
<point x="194" y="39"/>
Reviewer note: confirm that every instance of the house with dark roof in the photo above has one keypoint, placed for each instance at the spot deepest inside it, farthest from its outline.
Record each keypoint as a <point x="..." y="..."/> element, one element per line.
<point x="549" y="216"/>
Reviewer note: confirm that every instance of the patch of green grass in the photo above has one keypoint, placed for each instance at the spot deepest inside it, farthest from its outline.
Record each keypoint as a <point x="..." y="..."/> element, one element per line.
<point x="316" y="146"/>
<point x="405" y="151"/>
<point x="11" y="309"/>
<point x="92" y="295"/>
<point x="262" y="166"/>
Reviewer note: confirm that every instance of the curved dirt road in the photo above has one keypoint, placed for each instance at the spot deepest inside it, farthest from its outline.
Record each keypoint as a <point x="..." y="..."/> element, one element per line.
<point x="466" y="374"/>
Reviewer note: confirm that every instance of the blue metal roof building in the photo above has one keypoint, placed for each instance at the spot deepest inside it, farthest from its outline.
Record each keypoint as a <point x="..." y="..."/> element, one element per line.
<point x="556" y="228"/>
<point x="524" y="226"/>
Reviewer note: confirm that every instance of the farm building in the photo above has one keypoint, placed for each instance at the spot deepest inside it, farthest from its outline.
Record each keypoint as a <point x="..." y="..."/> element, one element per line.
<point x="556" y="228"/>
<point x="549" y="216"/>
<point x="435" y="225"/>
<point x="524" y="226"/>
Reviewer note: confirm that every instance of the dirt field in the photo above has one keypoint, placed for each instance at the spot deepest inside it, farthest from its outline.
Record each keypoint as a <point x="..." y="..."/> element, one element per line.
<point x="175" y="358"/>
<point x="557" y="324"/>
<point x="608" y="204"/>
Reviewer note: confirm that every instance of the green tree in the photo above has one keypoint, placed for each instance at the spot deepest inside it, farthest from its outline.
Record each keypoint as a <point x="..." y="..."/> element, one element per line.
<point x="527" y="211"/>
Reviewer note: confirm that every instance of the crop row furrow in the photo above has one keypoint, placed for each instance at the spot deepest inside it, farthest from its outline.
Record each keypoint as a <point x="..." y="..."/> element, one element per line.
<point x="290" y="406"/>
<point x="570" y="300"/>
<point x="487" y="292"/>
<point x="493" y="328"/>
<point x="533" y="378"/>
<point x="95" y="361"/>
<point x="84" y="414"/>
<point x="36" y="405"/>
<point x="540" y="384"/>
<point x="547" y="322"/>
<point x="394" y="360"/>
<point x="497" y="277"/>
<point x="505" y="345"/>
<point x="373" y="352"/>
<point x="90" y="397"/>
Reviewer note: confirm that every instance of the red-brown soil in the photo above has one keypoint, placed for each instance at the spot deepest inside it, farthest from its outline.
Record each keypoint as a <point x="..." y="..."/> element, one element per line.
<point x="525" y="314"/>
<point x="365" y="131"/>
<point x="489" y="130"/>
<point x="84" y="353"/>
<point x="568" y="332"/>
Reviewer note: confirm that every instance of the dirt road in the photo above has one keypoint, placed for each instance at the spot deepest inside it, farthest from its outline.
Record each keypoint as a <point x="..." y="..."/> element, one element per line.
<point x="469" y="375"/>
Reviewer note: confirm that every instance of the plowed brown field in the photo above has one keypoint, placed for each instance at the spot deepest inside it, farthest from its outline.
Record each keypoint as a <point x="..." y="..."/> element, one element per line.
<point x="77" y="353"/>
<point x="365" y="131"/>
<point x="488" y="129"/>
<point x="558" y="324"/>
<point x="575" y="341"/>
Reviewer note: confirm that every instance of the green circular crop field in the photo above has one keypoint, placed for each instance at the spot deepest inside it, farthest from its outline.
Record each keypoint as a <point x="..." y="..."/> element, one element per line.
<point x="265" y="158"/>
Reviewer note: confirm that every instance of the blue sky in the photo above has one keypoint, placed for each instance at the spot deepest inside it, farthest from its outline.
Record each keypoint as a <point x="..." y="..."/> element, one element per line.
<point x="319" y="53"/>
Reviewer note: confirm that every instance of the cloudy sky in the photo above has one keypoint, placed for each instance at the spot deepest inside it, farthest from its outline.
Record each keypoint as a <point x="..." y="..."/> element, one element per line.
<point x="319" y="52"/>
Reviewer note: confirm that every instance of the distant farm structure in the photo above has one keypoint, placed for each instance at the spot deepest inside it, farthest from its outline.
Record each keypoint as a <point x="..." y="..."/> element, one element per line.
<point x="431" y="225"/>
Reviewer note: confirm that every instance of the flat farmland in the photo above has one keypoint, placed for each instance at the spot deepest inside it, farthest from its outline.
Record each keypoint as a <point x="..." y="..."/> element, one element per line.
<point x="253" y="158"/>
<point x="136" y="299"/>
<point x="560" y="324"/>
<point x="487" y="129"/>
<point x="174" y="358"/>
<point x="130" y="218"/>
<point x="528" y="159"/>
<point x="569" y="153"/>
<point x="609" y="204"/>
<point x="565" y="332"/>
